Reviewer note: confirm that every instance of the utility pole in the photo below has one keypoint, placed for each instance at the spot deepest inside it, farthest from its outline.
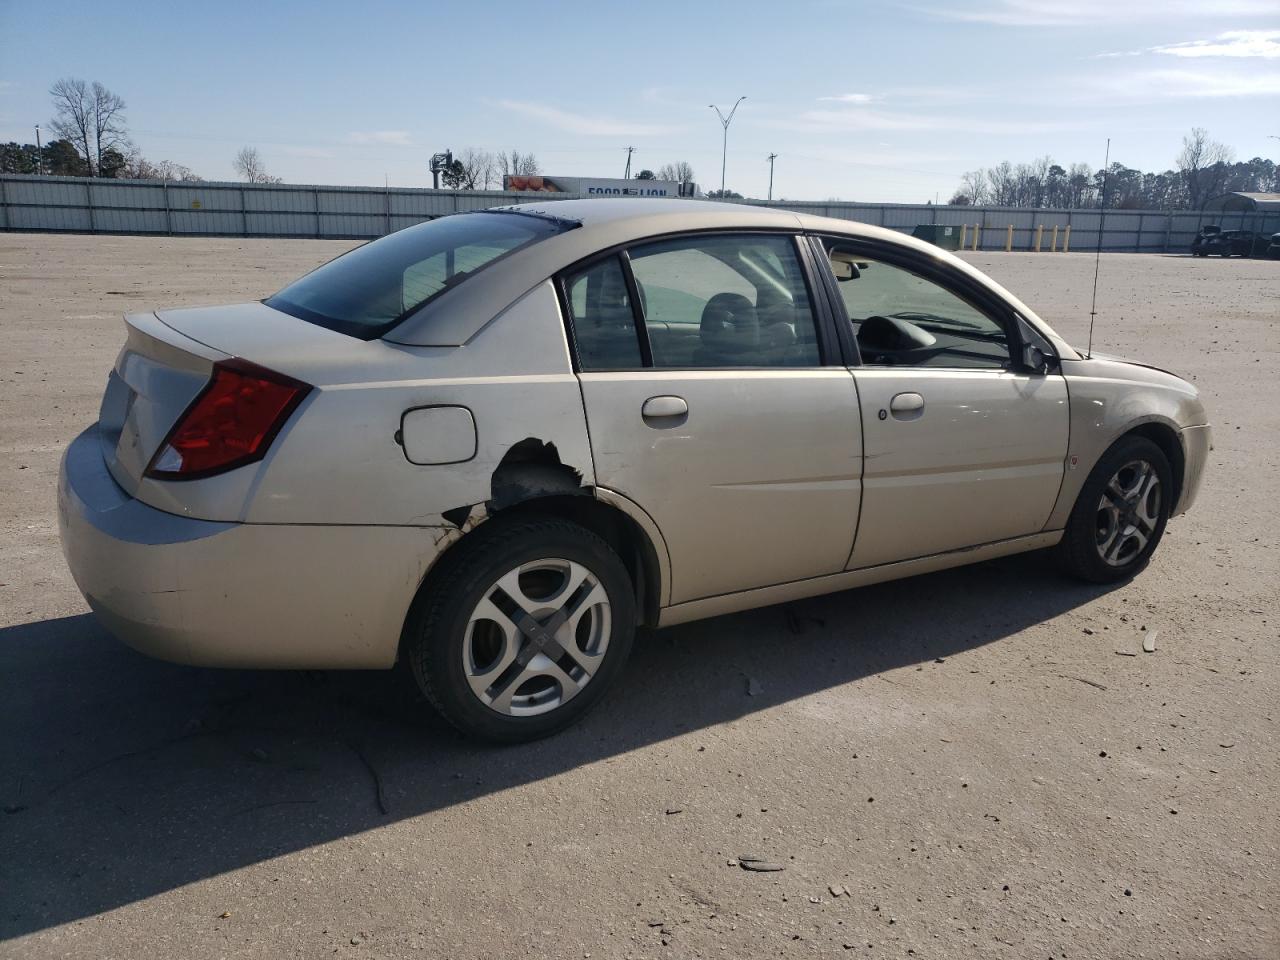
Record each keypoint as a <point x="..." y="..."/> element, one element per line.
<point x="772" y="157"/>
<point x="627" y="174"/>
<point x="39" y="153"/>
<point x="724" y="122"/>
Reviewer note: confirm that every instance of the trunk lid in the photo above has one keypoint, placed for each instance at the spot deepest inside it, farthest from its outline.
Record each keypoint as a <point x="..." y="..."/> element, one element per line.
<point x="156" y="376"/>
<point x="168" y="358"/>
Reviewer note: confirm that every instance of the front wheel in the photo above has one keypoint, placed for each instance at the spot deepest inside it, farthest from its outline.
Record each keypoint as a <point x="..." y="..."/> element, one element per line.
<point x="1121" y="513"/>
<point x="525" y="632"/>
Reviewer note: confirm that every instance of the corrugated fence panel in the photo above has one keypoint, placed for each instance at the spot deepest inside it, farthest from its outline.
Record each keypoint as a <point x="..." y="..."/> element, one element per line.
<point x="208" y="222"/>
<point x="281" y="224"/>
<point x="303" y="210"/>
<point x="113" y="220"/>
<point x="280" y="201"/>
<point x="74" y="219"/>
<point x="185" y="196"/>
<point x="348" y="202"/>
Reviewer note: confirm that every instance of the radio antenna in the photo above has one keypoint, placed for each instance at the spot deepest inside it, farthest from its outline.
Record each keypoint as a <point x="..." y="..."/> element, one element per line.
<point x="1097" y="259"/>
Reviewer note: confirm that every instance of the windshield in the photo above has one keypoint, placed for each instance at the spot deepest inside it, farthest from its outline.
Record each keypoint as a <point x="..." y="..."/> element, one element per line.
<point x="366" y="292"/>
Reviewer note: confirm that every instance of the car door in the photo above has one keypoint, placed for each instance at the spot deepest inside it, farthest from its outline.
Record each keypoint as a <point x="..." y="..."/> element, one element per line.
<point x="716" y="401"/>
<point x="963" y="443"/>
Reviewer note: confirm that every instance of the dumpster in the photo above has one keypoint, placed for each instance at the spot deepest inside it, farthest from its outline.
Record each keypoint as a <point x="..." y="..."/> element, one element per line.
<point x="948" y="238"/>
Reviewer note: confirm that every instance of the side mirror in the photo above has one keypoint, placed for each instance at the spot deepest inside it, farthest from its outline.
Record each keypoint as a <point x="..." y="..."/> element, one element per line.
<point x="1034" y="359"/>
<point x="844" y="270"/>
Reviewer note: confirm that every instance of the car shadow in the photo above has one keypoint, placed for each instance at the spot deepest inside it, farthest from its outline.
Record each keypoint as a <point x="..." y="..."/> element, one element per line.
<point x="123" y="777"/>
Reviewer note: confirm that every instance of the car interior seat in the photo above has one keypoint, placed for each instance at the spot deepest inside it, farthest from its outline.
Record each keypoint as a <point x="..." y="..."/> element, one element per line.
<point x="729" y="332"/>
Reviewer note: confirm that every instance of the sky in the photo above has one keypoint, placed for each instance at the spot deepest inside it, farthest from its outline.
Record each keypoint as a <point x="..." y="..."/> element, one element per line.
<point x="866" y="101"/>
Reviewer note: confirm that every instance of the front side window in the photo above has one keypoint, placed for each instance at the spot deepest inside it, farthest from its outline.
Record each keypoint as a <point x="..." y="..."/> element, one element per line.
<point x="368" y="291"/>
<point x="900" y="318"/>
<point x="725" y="301"/>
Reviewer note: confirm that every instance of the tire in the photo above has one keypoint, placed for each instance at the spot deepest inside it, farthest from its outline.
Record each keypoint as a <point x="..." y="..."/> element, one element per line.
<point x="480" y="669"/>
<point x="1112" y="539"/>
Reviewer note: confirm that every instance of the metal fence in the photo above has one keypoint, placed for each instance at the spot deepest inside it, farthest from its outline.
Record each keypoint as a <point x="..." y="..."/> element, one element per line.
<point x="81" y="205"/>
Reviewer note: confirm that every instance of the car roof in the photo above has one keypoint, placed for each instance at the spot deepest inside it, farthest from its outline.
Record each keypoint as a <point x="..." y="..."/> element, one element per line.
<point x="597" y="224"/>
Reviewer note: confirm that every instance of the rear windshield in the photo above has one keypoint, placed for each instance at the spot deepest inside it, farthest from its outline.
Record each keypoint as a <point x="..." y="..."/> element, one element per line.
<point x="366" y="292"/>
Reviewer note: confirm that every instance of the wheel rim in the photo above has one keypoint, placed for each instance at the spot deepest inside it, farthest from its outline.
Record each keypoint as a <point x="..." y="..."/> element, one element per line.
<point x="1128" y="513"/>
<point x="537" y="637"/>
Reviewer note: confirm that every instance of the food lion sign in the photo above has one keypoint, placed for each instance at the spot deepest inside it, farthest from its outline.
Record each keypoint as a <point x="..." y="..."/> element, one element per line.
<point x="590" y="187"/>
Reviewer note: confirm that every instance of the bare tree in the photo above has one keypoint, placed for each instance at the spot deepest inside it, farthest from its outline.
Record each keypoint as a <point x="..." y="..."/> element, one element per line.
<point x="517" y="164"/>
<point x="138" y="167"/>
<point x="91" y="117"/>
<point x="478" y="168"/>
<point x="1202" y="163"/>
<point x="680" y="172"/>
<point x="973" y="186"/>
<point x="250" y="167"/>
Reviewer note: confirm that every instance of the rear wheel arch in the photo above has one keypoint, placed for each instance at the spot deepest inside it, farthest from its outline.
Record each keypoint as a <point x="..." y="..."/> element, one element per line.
<point x="623" y="534"/>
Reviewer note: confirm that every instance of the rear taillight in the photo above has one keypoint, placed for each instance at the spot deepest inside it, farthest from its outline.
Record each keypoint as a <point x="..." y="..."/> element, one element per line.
<point x="231" y="422"/>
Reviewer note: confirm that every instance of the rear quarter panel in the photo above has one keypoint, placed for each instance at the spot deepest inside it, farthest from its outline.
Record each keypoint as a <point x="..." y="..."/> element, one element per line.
<point x="339" y="462"/>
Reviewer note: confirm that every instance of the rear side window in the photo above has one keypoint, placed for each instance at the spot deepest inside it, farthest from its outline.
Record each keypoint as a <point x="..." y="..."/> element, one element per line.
<point x="604" y="326"/>
<point x="726" y="301"/>
<point x="368" y="291"/>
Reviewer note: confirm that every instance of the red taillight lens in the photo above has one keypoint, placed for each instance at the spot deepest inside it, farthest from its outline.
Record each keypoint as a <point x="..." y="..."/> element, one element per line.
<point x="230" y="423"/>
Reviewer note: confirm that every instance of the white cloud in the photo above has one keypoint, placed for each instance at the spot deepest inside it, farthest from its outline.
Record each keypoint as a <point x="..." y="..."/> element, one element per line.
<point x="307" y="153"/>
<point x="394" y="138"/>
<point x="1059" y="13"/>
<point x="583" y="124"/>
<point x="1186" y="84"/>
<point x="1233" y="43"/>
<point x="853" y="98"/>
<point x="863" y="119"/>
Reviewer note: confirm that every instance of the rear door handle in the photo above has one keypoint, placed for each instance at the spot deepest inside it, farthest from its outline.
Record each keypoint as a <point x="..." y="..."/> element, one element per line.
<point x="907" y="406"/>
<point x="663" y="408"/>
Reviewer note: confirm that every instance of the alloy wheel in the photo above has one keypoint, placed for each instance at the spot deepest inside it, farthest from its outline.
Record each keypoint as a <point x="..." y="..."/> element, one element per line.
<point x="537" y="637"/>
<point x="1128" y="513"/>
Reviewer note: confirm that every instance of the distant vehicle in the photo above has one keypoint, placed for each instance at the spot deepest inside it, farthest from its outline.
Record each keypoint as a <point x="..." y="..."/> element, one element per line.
<point x="491" y="444"/>
<point x="1224" y="243"/>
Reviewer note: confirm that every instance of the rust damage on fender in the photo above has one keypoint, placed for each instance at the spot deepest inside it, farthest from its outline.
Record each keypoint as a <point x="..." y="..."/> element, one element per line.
<point x="528" y="470"/>
<point x="532" y="469"/>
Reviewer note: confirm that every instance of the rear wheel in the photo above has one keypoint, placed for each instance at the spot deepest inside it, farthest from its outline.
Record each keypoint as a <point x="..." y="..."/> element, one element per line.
<point x="525" y="632"/>
<point x="1120" y="514"/>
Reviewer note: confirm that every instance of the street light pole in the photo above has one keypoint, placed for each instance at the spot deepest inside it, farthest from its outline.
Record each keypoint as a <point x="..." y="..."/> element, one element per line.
<point x="39" y="153"/>
<point x="724" y="122"/>
<point x="772" y="157"/>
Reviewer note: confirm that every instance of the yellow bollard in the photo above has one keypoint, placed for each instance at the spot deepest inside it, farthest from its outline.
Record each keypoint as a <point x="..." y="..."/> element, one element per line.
<point x="964" y="234"/>
<point x="1053" y="246"/>
<point x="1008" y="240"/>
<point x="1039" y="236"/>
<point x="1066" y="238"/>
<point x="977" y="232"/>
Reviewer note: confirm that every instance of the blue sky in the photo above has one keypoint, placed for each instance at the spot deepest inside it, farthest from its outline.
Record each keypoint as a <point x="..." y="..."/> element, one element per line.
<point x="862" y="101"/>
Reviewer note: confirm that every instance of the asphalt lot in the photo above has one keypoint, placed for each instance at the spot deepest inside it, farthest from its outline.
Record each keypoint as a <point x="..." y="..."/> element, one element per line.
<point x="966" y="754"/>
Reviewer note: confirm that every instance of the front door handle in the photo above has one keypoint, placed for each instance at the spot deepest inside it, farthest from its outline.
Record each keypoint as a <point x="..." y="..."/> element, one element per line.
<point x="664" y="408"/>
<point x="907" y="406"/>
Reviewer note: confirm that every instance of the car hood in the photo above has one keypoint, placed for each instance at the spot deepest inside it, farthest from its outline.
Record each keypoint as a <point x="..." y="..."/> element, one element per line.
<point x="1110" y="358"/>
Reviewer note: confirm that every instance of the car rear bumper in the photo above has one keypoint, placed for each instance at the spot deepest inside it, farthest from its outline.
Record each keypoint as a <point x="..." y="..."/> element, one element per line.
<point x="236" y="594"/>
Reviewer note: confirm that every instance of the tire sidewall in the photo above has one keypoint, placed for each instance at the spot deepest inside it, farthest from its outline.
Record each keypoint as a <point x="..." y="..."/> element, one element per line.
<point x="436" y="656"/>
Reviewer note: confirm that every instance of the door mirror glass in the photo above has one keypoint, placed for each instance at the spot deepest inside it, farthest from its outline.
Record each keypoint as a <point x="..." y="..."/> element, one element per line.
<point x="845" y="270"/>
<point x="1033" y="358"/>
